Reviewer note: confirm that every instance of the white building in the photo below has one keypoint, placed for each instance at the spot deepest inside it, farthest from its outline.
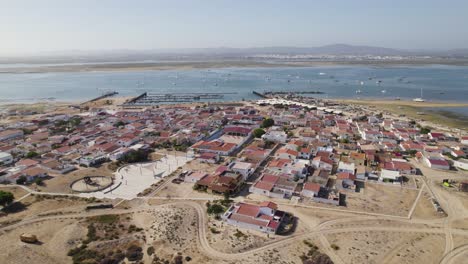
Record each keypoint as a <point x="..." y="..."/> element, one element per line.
<point x="346" y="167"/>
<point x="243" y="168"/>
<point x="5" y="158"/>
<point x="193" y="177"/>
<point x="275" y="136"/>
<point x="388" y="175"/>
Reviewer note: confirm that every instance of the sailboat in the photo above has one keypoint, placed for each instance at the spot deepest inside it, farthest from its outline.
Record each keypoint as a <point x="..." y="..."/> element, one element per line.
<point x="420" y="99"/>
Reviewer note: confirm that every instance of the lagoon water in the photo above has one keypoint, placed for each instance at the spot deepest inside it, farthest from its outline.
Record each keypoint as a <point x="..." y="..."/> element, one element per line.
<point x="439" y="83"/>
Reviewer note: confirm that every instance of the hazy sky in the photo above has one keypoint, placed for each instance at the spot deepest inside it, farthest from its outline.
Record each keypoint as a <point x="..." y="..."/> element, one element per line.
<point x="57" y="25"/>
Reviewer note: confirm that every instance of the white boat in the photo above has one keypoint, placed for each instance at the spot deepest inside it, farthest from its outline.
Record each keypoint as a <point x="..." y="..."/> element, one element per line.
<point x="384" y="91"/>
<point x="358" y="91"/>
<point x="322" y="73"/>
<point x="420" y="99"/>
<point x="362" y="83"/>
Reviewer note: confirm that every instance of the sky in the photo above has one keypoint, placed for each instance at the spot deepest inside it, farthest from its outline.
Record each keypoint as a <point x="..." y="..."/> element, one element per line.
<point x="59" y="25"/>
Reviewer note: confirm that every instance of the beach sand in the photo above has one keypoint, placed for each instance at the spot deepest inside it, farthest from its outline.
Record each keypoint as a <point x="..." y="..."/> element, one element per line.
<point x="426" y="113"/>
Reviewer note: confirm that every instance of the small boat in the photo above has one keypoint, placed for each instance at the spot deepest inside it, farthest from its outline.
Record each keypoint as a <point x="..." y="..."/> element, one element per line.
<point x="358" y="91"/>
<point x="378" y="82"/>
<point x="322" y="73"/>
<point x="362" y="83"/>
<point x="384" y="91"/>
<point x="420" y="99"/>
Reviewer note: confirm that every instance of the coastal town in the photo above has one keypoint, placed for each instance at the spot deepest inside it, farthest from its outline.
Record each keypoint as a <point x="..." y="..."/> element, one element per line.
<point x="256" y="177"/>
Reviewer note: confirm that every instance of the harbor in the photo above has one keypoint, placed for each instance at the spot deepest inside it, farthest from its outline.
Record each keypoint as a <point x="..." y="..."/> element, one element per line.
<point x="151" y="99"/>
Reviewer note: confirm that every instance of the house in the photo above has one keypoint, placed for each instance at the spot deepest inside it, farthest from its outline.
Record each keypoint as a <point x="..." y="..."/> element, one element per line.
<point x="263" y="217"/>
<point x="458" y="153"/>
<point x="10" y="134"/>
<point x="322" y="163"/>
<point x="237" y="131"/>
<point x="208" y="157"/>
<point x="222" y="181"/>
<point x="275" y="136"/>
<point x="321" y="177"/>
<point x="310" y="189"/>
<point x="401" y="166"/>
<point x="31" y="173"/>
<point x="345" y="180"/>
<point x="5" y="158"/>
<point x="346" y="167"/>
<point x="464" y="140"/>
<point x="286" y="153"/>
<point x="436" y="136"/>
<point x="436" y="163"/>
<point x="243" y="168"/>
<point x="216" y="146"/>
<point x="274" y="186"/>
<point x="25" y="163"/>
<point x="193" y="177"/>
<point x="390" y="176"/>
<point x="305" y="153"/>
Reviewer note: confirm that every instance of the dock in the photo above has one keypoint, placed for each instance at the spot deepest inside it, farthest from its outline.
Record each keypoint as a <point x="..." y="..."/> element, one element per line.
<point x="150" y="99"/>
<point x="108" y="94"/>
<point x="270" y="94"/>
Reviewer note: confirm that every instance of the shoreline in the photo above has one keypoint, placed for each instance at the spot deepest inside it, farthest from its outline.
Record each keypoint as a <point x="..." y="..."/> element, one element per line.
<point x="419" y="111"/>
<point x="177" y="65"/>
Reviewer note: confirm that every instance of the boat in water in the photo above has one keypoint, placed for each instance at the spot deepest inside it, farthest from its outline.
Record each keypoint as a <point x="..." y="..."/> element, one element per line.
<point x="420" y="99"/>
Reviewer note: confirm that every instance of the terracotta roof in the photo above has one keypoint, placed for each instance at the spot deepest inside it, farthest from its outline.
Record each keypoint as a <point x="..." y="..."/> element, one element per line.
<point x="267" y="186"/>
<point x="269" y="205"/>
<point x="310" y="186"/>
<point x="248" y="210"/>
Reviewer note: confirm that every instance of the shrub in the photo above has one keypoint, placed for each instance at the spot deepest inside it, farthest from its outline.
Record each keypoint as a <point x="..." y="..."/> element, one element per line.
<point x="21" y="180"/>
<point x="134" y="253"/>
<point x="215" y="209"/>
<point x="335" y="246"/>
<point x="150" y="250"/>
<point x="258" y="132"/>
<point x="267" y="122"/>
<point x="6" y="198"/>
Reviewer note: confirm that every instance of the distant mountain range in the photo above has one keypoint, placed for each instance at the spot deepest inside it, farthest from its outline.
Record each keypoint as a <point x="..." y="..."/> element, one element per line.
<point x="224" y="52"/>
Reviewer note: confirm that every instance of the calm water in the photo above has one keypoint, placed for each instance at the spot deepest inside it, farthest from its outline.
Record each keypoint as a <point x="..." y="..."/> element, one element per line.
<point x="441" y="83"/>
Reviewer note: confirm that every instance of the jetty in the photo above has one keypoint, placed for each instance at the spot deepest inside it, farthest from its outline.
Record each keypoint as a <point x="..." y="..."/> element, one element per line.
<point x="107" y="94"/>
<point x="270" y="94"/>
<point x="150" y="99"/>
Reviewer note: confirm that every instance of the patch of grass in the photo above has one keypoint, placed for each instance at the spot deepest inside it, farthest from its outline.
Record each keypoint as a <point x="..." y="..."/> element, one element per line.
<point x="239" y="234"/>
<point x="335" y="246"/>
<point x="105" y="219"/>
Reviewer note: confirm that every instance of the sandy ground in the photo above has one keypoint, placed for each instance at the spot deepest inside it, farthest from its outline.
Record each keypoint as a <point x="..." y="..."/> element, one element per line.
<point x="410" y="109"/>
<point x="56" y="237"/>
<point x="16" y="191"/>
<point x="387" y="247"/>
<point x="61" y="183"/>
<point x="425" y="210"/>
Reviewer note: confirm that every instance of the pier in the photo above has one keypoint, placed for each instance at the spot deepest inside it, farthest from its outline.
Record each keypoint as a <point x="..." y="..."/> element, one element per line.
<point x="150" y="99"/>
<point x="108" y="94"/>
<point x="270" y="94"/>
